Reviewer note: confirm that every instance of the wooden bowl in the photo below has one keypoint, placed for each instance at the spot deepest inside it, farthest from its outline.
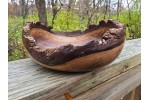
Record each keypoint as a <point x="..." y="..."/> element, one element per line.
<point x="74" y="51"/>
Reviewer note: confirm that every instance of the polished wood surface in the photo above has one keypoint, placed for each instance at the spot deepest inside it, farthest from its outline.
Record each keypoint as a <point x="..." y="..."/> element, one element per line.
<point x="77" y="51"/>
<point x="89" y="62"/>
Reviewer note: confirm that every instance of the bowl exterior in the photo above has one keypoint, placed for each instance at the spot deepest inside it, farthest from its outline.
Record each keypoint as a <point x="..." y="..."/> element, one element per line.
<point x="89" y="62"/>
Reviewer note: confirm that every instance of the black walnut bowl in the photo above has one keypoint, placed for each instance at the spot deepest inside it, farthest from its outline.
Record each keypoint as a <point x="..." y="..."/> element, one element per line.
<point x="74" y="51"/>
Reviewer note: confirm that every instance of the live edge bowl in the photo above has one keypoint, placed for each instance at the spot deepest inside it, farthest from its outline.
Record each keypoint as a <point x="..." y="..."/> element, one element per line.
<point x="76" y="51"/>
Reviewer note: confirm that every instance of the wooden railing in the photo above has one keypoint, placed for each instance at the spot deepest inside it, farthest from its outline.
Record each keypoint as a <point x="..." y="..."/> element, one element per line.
<point x="119" y="80"/>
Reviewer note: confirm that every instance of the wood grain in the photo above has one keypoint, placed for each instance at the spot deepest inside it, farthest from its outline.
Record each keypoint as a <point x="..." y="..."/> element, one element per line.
<point x="114" y="88"/>
<point x="97" y="46"/>
<point x="28" y="80"/>
<point x="134" y="94"/>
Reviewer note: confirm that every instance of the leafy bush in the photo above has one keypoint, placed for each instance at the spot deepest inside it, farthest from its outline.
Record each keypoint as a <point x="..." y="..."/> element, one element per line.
<point x="68" y="21"/>
<point x="16" y="49"/>
<point x="133" y="24"/>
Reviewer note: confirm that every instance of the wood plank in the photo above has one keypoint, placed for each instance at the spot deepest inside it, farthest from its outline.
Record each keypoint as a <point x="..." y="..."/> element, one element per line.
<point x="115" y="88"/>
<point x="125" y="87"/>
<point x="28" y="80"/>
<point x="128" y="96"/>
<point x="137" y="95"/>
<point x="134" y="94"/>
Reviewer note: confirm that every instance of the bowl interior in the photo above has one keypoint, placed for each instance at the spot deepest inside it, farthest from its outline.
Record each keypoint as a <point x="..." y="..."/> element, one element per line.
<point x="45" y="39"/>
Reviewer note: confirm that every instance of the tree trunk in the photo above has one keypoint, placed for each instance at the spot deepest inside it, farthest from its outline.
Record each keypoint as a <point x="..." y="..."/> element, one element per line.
<point x="129" y="17"/>
<point x="32" y="3"/>
<point x="48" y="6"/>
<point x="129" y="14"/>
<point x="109" y="9"/>
<point x="22" y="3"/>
<point x="118" y="9"/>
<point x="40" y="5"/>
<point x="55" y="9"/>
<point x="106" y="8"/>
<point x="24" y="9"/>
<point x="94" y="4"/>
<point x="70" y="4"/>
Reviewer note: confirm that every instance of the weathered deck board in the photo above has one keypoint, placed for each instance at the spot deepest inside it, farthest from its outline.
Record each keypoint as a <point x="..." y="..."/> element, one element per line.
<point x="114" y="88"/>
<point x="28" y="80"/>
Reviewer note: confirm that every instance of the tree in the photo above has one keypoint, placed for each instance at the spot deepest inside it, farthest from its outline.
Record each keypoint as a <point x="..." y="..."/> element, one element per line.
<point x="40" y="5"/>
<point x="25" y="6"/>
<point x="106" y="8"/>
<point x="48" y="6"/>
<point x="118" y="9"/>
<point x="55" y="9"/>
<point x="71" y="2"/>
<point x="109" y="8"/>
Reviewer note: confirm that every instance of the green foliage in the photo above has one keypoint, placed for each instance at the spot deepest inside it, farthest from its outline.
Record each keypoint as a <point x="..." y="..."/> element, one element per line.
<point x="68" y="21"/>
<point x="132" y="21"/>
<point x="15" y="46"/>
<point x="33" y="17"/>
